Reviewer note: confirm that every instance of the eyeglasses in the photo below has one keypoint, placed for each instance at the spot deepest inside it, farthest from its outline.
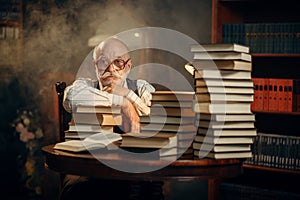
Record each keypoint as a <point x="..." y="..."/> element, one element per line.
<point x="117" y="64"/>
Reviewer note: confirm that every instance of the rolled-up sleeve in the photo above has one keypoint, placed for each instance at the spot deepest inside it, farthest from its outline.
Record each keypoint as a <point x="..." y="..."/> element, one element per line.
<point x="143" y="101"/>
<point x="84" y="91"/>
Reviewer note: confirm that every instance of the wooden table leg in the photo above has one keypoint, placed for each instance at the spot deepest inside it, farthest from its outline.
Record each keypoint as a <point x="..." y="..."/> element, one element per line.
<point x="213" y="189"/>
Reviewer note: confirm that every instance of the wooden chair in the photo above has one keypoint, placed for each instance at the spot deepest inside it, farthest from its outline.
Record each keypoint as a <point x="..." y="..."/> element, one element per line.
<point x="63" y="116"/>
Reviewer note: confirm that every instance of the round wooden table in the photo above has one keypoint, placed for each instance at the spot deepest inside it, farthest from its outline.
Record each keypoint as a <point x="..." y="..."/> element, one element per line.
<point x="87" y="164"/>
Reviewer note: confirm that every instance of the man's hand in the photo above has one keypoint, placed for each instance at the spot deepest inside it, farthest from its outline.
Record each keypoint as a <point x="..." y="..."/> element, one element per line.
<point x="116" y="89"/>
<point x="131" y="119"/>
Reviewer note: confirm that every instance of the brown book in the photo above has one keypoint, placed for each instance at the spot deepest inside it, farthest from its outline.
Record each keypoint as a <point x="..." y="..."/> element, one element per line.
<point x="167" y="103"/>
<point x="174" y="112"/>
<point x="182" y="135"/>
<point x="168" y="127"/>
<point x="223" y="64"/>
<point x="216" y="108"/>
<point x="224" y="90"/>
<point x="166" y="119"/>
<point x="222" y="74"/>
<point x="223" y="83"/>
<point x="224" y="139"/>
<point x="97" y="118"/>
<point x="227" y="132"/>
<point x="90" y="128"/>
<point x="144" y="141"/>
<point x="226" y="117"/>
<point x="218" y="97"/>
<point x="97" y="109"/>
<point x="225" y="125"/>
<point x="223" y="155"/>
<point x="172" y="95"/>
<point x="221" y="148"/>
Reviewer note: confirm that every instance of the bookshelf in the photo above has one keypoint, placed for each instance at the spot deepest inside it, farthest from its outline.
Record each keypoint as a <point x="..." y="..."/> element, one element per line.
<point x="267" y="62"/>
<point x="11" y="35"/>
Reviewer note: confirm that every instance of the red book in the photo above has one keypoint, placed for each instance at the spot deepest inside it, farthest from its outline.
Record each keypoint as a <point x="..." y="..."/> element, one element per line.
<point x="282" y="95"/>
<point x="255" y="100"/>
<point x="296" y="95"/>
<point x="273" y="92"/>
<point x="289" y="95"/>
<point x="265" y="94"/>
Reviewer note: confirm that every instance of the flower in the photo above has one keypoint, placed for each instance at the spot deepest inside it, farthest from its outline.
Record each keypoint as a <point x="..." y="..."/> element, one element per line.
<point x="27" y="126"/>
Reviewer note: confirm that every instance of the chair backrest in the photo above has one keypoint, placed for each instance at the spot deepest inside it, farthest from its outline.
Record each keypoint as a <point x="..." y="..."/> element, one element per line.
<point x="64" y="117"/>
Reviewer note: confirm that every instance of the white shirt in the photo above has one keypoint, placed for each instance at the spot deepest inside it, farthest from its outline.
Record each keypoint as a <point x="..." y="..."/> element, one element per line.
<point x="84" y="91"/>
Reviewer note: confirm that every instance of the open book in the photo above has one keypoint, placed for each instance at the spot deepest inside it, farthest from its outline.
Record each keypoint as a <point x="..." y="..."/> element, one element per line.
<point x="94" y="141"/>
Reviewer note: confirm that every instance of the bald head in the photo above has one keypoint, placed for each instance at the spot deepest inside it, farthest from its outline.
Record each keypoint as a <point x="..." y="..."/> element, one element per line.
<point x="112" y="62"/>
<point x="111" y="49"/>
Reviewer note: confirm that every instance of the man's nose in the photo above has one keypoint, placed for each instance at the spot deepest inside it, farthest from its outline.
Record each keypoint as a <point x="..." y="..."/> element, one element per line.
<point x="110" y="68"/>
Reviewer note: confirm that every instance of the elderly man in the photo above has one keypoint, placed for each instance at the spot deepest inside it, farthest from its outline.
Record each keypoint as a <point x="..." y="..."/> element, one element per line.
<point x="112" y="64"/>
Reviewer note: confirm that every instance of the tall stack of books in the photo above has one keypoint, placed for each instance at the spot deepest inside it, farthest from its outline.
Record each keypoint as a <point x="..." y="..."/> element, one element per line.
<point x="223" y="96"/>
<point x="172" y="115"/>
<point x="90" y="119"/>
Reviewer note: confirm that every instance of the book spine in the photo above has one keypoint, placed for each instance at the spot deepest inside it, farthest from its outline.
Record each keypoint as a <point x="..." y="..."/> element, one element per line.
<point x="281" y="95"/>
<point x="273" y="95"/>
<point x="265" y="94"/>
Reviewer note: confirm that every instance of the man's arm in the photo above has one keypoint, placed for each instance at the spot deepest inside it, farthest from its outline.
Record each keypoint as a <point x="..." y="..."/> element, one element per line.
<point x="84" y="91"/>
<point x="142" y="101"/>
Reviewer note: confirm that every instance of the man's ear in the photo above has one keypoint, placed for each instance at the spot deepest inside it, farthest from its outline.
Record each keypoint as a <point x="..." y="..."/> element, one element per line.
<point x="129" y="64"/>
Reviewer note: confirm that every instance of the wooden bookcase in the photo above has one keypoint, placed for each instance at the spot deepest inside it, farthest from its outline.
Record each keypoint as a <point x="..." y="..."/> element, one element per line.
<point x="265" y="65"/>
<point x="11" y="36"/>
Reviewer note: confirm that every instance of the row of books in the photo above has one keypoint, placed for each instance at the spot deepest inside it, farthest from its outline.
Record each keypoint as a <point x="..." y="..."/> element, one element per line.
<point x="223" y="97"/>
<point x="277" y="151"/>
<point x="172" y="116"/>
<point x="264" y="37"/>
<point x="272" y="94"/>
<point x="167" y="133"/>
<point x="7" y="32"/>
<point x="10" y="9"/>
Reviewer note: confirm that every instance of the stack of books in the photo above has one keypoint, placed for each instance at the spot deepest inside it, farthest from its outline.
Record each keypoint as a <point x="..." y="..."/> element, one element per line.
<point x="89" y="119"/>
<point x="172" y="115"/>
<point x="223" y="96"/>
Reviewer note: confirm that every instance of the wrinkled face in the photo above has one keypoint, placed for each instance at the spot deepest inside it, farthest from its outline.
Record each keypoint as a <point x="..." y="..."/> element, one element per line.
<point x="112" y="62"/>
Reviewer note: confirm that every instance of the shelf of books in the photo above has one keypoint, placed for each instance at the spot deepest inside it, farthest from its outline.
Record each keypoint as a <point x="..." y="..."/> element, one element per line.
<point x="11" y="33"/>
<point x="274" y="43"/>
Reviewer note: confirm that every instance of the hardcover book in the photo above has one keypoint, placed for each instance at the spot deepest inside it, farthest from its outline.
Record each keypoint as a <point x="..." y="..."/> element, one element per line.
<point x="222" y="56"/>
<point x="222" y="74"/>
<point x="223" y="65"/>
<point x="221" y="47"/>
<point x="172" y="96"/>
<point x="223" y="155"/>
<point x="224" y="90"/>
<point x="222" y="98"/>
<point x="221" y="148"/>
<point x="215" y="108"/>
<point x="227" y="132"/>
<point x="224" y="139"/>
<point x="94" y="141"/>
<point x="144" y="141"/>
<point x="224" y="83"/>
<point x="226" y="117"/>
<point x="97" y="119"/>
<point x="97" y="109"/>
